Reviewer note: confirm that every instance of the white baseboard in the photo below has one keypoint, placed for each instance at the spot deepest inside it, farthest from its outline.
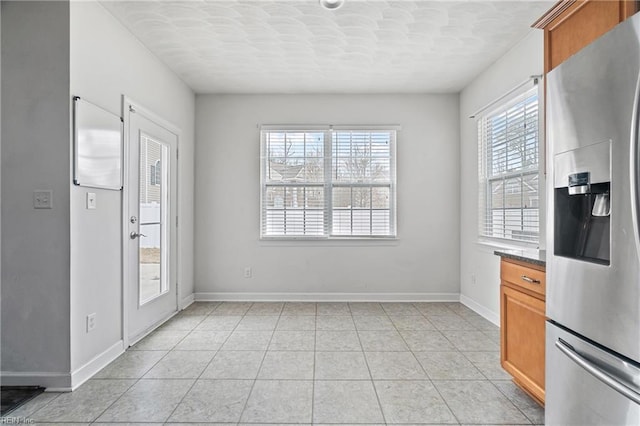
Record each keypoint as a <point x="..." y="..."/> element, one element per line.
<point x="152" y="328"/>
<point x="186" y="301"/>
<point x="58" y="381"/>
<point x="84" y="373"/>
<point x="488" y="314"/>
<point x="327" y="297"/>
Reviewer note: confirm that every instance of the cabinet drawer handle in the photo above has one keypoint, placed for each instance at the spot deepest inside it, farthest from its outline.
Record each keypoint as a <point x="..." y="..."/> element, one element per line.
<point x="530" y="280"/>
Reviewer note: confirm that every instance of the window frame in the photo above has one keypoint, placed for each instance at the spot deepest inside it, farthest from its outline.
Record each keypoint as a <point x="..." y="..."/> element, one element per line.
<point x="486" y="178"/>
<point x="328" y="184"/>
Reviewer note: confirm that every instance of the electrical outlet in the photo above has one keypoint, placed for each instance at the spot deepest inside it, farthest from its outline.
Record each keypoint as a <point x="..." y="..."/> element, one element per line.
<point x="91" y="322"/>
<point x="247" y="272"/>
<point x="42" y="199"/>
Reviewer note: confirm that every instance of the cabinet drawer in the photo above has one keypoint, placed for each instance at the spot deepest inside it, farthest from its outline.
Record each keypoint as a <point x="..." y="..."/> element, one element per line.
<point x="523" y="276"/>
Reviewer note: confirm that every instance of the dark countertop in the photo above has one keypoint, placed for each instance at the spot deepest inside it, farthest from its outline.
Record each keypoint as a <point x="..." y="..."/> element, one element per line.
<point x="536" y="257"/>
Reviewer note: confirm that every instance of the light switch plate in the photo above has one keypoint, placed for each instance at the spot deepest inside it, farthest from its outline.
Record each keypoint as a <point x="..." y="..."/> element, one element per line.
<point x="91" y="322"/>
<point x="91" y="201"/>
<point x="42" y="199"/>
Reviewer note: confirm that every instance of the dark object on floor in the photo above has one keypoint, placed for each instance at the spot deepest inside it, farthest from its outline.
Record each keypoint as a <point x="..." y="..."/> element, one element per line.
<point x="14" y="396"/>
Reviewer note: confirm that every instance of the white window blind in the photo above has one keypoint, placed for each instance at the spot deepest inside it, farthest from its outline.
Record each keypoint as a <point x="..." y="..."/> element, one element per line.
<point x="328" y="183"/>
<point x="509" y="170"/>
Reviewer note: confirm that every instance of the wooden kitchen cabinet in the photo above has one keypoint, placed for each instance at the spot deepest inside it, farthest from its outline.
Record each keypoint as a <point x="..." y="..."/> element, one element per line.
<point x="570" y="25"/>
<point x="522" y="324"/>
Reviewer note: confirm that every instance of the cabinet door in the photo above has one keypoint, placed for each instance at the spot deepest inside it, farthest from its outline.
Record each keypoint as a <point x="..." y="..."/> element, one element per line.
<point x="571" y="25"/>
<point x="522" y="341"/>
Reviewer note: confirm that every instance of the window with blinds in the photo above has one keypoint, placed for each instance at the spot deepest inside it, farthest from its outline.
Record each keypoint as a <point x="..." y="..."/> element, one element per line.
<point x="328" y="183"/>
<point x="509" y="170"/>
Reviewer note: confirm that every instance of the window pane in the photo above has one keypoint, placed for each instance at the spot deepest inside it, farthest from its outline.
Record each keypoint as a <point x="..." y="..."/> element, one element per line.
<point x="285" y="169"/>
<point x="380" y="222"/>
<point x="508" y="170"/>
<point x="380" y="170"/>
<point x="314" y="157"/>
<point x="380" y="198"/>
<point x="274" y="222"/>
<point x="341" y="197"/>
<point x="512" y="137"/>
<point x="496" y="224"/>
<point x="276" y="145"/>
<point x="274" y="198"/>
<point x="314" y="169"/>
<point x="380" y="144"/>
<point x="513" y="193"/>
<point x="314" y="198"/>
<point x="295" y="144"/>
<point x="497" y="195"/>
<point x="361" y="198"/>
<point x="530" y="190"/>
<point x="361" y="211"/>
<point x="294" y="222"/>
<point x="361" y="157"/>
<point x="295" y="179"/>
<point x="294" y="210"/>
<point x="295" y="157"/>
<point x="314" y="145"/>
<point x="294" y="197"/>
<point x="341" y="222"/>
<point x="361" y="222"/>
<point x="314" y="222"/>
<point x="152" y="175"/>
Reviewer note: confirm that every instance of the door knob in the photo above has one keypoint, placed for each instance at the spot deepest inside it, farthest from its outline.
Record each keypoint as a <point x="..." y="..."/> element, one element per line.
<point x="133" y="235"/>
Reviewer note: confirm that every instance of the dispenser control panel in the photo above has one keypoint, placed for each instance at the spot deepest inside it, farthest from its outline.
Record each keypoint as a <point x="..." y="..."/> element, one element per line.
<point x="579" y="179"/>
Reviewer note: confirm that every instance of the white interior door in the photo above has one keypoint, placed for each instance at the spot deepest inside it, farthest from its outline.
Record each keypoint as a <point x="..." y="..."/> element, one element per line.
<point x="151" y="218"/>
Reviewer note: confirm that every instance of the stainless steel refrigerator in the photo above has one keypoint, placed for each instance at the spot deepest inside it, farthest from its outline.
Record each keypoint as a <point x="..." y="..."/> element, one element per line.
<point x="593" y="234"/>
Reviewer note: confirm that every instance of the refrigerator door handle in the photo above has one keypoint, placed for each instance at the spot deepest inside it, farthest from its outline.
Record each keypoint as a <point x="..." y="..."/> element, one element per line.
<point x="597" y="372"/>
<point x="634" y="161"/>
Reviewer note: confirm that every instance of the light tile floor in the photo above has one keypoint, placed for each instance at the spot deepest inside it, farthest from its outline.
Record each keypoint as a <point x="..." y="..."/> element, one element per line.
<point x="303" y="363"/>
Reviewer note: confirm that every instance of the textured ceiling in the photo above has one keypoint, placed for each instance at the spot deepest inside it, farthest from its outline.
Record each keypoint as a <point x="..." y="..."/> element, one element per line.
<point x="296" y="46"/>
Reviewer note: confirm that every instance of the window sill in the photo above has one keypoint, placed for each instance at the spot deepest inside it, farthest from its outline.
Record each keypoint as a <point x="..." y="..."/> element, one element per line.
<point x="491" y="245"/>
<point x="329" y="242"/>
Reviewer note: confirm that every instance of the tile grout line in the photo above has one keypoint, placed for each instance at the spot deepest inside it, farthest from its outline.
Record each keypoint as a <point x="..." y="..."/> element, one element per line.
<point x="386" y="314"/>
<point x="509" y="399"/>
<point x="434" y="385"/>
<point x="484" y="375"/>
<point x="209" y="363"/>
<point x="253" y="385"/>
<point x="366" y="361"/>
<point x="313" y="382"/>
<point x="315" y="352"/>
<point x="137" y="380"/>
<point x="429" y="379"/>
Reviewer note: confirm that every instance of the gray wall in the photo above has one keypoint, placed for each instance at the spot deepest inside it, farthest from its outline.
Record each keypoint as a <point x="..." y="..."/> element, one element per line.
<point x="477" y="259"/>
<point x="61" y="264"/>
<point x="106" y="63"/>
<point x="35" y="156"/>
<point x="422" y="263"/>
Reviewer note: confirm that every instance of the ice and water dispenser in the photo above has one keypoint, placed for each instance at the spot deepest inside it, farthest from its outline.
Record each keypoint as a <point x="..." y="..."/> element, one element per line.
<point x="582" y="203"/>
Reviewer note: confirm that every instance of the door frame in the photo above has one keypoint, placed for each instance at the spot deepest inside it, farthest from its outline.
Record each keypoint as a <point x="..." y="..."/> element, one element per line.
<point x="128" y="103"/>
